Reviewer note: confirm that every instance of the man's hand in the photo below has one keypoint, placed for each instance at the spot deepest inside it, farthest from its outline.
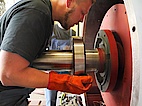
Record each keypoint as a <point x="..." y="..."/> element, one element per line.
<point x="69" y="83"/>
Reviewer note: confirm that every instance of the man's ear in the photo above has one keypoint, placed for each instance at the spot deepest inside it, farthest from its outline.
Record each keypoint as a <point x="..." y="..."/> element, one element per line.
<point x="68" y="2"/>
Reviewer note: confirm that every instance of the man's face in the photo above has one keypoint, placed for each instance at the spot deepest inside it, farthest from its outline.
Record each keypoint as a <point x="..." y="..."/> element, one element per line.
<point x="75" y="14"/>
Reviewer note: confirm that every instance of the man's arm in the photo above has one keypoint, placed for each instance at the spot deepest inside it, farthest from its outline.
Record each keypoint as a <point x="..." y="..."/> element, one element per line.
<point x="14" y="71"/>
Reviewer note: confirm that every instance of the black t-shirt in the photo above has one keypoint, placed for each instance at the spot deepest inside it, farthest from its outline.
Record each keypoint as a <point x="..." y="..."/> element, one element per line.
<point x="26" y="27"/>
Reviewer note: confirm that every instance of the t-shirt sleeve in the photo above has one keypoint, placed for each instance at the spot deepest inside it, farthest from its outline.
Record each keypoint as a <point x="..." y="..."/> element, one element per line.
<point x="26" y="34"/>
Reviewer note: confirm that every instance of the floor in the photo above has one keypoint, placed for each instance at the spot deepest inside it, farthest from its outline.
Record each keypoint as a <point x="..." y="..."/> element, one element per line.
<point x="37" y="98"/>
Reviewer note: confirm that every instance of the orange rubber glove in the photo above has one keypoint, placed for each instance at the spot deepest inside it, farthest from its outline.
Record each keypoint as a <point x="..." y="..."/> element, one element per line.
<point x="69" y="83"/>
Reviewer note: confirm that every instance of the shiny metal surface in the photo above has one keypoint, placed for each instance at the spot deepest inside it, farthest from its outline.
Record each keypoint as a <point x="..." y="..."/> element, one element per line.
<point x="92" y="60"/>
<point x="74" y="60"/>
<point x="60" y="59"/>
<point x="78" y="55"/>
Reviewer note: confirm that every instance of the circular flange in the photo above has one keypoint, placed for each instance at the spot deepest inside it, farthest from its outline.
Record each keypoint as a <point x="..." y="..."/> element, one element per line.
<point x="78" y="56"/>
<point x="107" y="78"/>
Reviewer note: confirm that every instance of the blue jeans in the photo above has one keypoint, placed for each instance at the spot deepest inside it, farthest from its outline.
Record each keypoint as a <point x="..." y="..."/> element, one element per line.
<point x="50" y="97"/>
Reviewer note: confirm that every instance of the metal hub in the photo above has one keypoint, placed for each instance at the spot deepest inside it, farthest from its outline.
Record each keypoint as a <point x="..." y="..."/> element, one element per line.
<point x="106" y="77"/>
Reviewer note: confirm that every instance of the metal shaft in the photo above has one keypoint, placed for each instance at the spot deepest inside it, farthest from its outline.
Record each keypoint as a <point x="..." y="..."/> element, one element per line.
<point x="63" y="59"/>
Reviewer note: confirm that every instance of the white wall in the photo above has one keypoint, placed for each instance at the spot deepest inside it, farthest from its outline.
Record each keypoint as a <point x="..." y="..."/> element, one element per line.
<point x="9" y="3"/>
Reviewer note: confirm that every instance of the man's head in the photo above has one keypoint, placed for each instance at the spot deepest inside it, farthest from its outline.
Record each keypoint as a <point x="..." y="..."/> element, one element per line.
<point x="73" y="11"/>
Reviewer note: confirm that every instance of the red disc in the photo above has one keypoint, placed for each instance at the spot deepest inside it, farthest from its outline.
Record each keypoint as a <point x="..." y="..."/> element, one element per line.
<point x="116" y="20"/>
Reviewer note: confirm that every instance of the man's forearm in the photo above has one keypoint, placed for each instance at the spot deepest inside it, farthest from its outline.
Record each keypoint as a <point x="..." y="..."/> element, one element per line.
<point x="28" y="77"/>
<point x="15" y="71"/>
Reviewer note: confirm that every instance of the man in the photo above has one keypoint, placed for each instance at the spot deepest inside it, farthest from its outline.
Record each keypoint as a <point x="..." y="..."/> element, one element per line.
<point x="25" y="29"/>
